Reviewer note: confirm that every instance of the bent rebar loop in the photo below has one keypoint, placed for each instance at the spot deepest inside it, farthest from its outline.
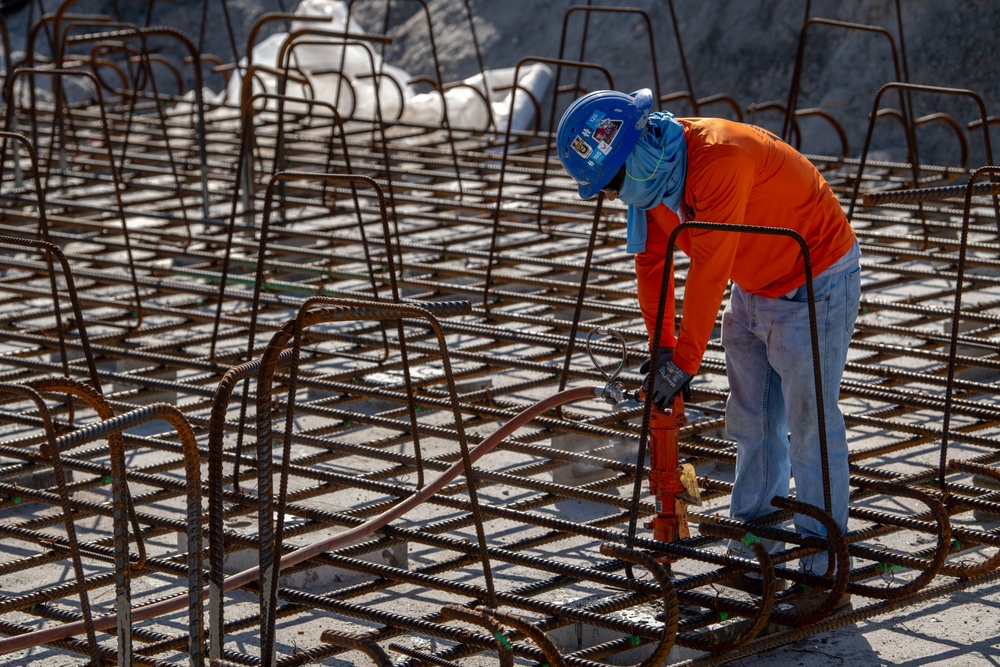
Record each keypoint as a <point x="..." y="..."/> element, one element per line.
<point x="270" y="530"/>
<point x="964" y="570"/>
<point x="485" y="618"/>
<point x="120" y="495"/>
<point x="248" y="114"/>
<point x="813" y="336"/>
<point x="899" y="68"/>
<point x="378" y="122"/>
<point x="19" y="138"/>
<point x="106" y="141"/>
<point x="940" y="118"/>
<point x="549" y="650"/>
<point x="259" y="283"/>
<point x="971" y="189"/>
<point x="111" y="427"/>
<point x="139" y="87"/>
<point x="216" y="511"/>
<point x="756" y="623"/>
<point x="439" y="83"/>
<point x="53" y="251"/>
<point x="360" y="643"/>
<point x="272" y="186"/>
<point x="505" y="157"/>
<point x="50" y="451"/>
<point x="671" y="607"/>
<point x="909" y="88"/>
<point x="277" y="181"/>
<point x="932" y="566"/>
<point x="839" y="564"/>
<point x="199" y="101"/>
<point x="992" y="172"/>
<point x="641" y="17"/>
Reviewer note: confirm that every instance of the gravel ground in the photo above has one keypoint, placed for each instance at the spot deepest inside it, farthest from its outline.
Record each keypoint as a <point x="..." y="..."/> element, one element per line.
<point x="746" y="50"/>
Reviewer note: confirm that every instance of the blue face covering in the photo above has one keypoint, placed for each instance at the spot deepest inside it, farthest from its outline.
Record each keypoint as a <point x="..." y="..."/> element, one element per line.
<point x="654" y="174"/>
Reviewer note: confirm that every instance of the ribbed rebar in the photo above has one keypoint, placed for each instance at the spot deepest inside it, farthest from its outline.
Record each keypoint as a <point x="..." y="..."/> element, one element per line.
<point x="279" y="288"/>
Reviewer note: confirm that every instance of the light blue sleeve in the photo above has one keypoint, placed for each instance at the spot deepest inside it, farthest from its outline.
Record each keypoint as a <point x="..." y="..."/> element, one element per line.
<point x="635" y="230"/>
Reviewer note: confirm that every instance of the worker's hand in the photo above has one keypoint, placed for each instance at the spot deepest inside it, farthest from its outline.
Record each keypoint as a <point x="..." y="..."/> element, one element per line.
<point x="668" y="379"/>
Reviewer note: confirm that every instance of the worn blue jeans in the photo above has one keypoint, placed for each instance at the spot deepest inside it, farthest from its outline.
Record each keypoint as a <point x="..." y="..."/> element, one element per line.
<point x="771" y="411"/>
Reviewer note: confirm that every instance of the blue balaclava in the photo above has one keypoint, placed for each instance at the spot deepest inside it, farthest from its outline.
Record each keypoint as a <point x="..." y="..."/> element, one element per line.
<point x="654" y="174"/>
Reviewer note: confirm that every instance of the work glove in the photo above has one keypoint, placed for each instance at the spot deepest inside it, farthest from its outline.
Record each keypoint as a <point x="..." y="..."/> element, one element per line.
<point x="668" y="379"/>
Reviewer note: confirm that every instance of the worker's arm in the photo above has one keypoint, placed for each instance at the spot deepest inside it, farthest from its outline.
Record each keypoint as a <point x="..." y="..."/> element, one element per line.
<point x="666" y="379"/>
<point x="649" y="265"/>
<point x="718" y="191"/>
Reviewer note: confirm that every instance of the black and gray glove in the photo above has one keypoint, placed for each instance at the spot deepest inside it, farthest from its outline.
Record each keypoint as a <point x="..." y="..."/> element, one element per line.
<point x="668" y="379"/>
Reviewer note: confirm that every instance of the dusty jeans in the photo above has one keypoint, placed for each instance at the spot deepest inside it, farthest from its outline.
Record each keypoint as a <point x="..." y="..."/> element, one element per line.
<point x="771" y="411"/>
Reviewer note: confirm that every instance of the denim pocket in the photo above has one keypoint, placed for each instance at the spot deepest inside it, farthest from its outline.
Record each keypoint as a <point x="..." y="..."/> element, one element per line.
<point x="822" y="289"/>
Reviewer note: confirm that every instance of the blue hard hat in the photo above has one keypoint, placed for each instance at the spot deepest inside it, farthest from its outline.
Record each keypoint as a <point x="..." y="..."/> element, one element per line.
<point x="597" y="133"/>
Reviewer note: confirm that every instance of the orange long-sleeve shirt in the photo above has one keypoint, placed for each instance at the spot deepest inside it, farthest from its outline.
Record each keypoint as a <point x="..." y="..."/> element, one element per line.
<point x="737" y="174"/>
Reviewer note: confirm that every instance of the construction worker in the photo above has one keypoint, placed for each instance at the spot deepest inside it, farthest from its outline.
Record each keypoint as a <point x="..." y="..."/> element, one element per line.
<point x="669" y="170"/>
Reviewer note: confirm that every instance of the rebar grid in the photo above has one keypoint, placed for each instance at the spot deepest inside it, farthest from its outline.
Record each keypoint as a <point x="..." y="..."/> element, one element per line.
<point x="340" y="325"/>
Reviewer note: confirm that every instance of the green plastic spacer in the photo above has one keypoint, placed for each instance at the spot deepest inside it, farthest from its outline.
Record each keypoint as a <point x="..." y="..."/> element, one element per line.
<point x="723" y="615"/>
<point x="106" y="480"/>
<point x="750" y="539"/>
<point x="635" y="641"/>
<point x="17" y="501"/>
<point x="502" y="638"/>
<point x="347" y="424"/>
<point x="956" y="545"/>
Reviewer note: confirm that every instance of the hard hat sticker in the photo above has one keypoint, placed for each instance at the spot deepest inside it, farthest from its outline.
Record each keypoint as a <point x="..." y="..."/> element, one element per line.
<point x="595" y="119"/>
<point x="606" y="132"/>
<point x="581" y="147"/>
